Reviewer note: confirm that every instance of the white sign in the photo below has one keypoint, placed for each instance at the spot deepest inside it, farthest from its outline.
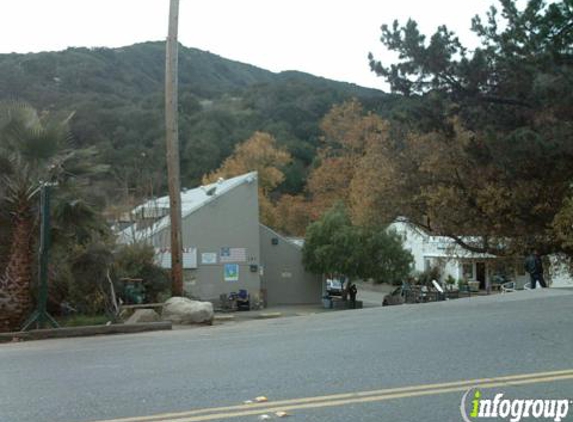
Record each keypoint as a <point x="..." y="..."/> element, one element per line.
<point x="437" y="286"/>
<point x="163" y="258"/>
<point x="209" y="258"/>
<point x="233" y="254"/>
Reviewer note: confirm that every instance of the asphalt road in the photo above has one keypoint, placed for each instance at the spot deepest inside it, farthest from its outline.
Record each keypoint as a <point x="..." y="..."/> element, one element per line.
<point x="308" y="358"/>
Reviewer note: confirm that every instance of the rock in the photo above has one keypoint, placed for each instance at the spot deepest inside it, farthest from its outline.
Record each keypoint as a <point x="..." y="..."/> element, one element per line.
<point x="180" y="310"/>
<point x="143" y="315"/>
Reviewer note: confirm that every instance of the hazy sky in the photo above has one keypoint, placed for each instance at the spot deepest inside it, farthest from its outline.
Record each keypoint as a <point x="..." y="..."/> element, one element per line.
<point x="325" y="38"/>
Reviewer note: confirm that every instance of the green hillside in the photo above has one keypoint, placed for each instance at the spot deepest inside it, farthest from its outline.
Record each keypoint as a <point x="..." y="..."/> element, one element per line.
<point x="117" y="97"/>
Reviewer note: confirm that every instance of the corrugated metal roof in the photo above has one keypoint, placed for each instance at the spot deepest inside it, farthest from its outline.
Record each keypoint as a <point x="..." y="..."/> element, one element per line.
<point x="191" y="200"/>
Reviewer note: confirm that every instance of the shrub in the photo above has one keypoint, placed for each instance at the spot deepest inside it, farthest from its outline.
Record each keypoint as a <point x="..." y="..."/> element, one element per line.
<point x="138" y="261"/>
<point x="426" y="277"/>
<point x="88" y="290"/>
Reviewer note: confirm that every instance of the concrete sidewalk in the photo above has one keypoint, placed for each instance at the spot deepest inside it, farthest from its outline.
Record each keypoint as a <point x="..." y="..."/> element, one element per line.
<point x="280" y="311"/>
<point x="370" y="295"/>
<point x="370" y="299"/>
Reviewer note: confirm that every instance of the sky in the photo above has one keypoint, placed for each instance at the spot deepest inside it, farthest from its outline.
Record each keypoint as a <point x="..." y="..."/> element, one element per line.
<point x="331" y="39"/>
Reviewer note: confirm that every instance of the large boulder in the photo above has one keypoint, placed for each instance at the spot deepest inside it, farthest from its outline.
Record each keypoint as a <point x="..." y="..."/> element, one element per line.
<point x="143" y="315"/>
<point x="181" y="310"/>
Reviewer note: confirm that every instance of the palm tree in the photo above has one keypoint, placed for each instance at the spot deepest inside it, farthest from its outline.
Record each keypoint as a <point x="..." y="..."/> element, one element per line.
<point x="33" y="150"/>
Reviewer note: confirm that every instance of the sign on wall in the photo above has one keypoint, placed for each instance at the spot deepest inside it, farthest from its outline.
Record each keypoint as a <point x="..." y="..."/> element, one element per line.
<point x="233" y="254"/>
<point x="231" y="272"/>
<point x="163" y="258"/>
<point x="209" y="258"/>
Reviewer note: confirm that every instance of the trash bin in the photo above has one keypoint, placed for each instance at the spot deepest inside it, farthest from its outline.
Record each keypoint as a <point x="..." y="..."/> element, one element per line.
<point x="133" y="291"/>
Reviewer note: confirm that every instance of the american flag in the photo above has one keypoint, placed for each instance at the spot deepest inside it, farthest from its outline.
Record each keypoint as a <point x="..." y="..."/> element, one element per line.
<point x="233" y="254"/>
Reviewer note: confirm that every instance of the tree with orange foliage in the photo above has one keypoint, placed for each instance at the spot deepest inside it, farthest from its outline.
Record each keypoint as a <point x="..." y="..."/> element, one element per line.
<point x="488" y="154"/>
<point x="259" y="153"/>
<point x="348" y="134"/>
<point x="292" y="215"/>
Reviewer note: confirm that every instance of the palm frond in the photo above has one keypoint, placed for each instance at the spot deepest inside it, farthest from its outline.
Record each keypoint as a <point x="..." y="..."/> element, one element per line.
<point x="18" y="110"/>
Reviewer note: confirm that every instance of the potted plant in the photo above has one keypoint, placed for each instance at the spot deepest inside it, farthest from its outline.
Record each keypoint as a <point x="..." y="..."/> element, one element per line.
<point x="450" y="283"/>
<point x="473" y="285"/>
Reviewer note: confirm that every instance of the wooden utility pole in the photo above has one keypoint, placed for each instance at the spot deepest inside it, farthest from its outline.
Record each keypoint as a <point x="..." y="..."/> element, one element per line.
<point x="172" y="140"/>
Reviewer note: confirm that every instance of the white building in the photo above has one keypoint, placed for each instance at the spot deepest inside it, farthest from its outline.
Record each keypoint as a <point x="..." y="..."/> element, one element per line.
<point x="444" y="253"/>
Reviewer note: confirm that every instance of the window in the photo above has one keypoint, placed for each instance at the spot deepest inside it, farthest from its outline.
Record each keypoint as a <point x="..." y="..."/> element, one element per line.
<point x="468" y="271"/>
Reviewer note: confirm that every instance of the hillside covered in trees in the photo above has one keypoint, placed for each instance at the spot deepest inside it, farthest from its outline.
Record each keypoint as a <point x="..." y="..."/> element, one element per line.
<point x="474" y="145"/>
<point x="117" y="98"/>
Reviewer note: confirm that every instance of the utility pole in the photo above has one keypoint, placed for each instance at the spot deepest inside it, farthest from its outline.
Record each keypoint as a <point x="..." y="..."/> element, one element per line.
<point x="172" y="141"/>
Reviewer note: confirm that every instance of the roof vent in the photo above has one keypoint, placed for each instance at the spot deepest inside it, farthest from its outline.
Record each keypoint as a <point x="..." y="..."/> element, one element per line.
<point x="211" y="191"/>
<point x="220" y="180"/>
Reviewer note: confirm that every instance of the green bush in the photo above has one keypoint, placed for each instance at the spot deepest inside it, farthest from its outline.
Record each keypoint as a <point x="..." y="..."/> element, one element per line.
<point x="426" y="277"/>
<point x="333" y="245"/>
<point x="138" y="261"/>
<point x="89" y="288"/>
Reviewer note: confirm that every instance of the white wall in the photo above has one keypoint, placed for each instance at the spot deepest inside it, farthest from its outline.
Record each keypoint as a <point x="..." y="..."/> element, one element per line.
<point x="414" y="241"/>
<point x="559" y="273"/>
<point x="439" y="250"/>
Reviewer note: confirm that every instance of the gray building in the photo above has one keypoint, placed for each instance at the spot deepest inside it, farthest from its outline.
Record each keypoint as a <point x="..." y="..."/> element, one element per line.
<point x="225" y="249"/>
<point x="284" y="279"/>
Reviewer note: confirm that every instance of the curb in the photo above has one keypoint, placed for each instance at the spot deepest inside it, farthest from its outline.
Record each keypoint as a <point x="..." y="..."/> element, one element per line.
<point x="224" y="317"/>
<point x="268" y="315"/>
<point x="89" y="330"/>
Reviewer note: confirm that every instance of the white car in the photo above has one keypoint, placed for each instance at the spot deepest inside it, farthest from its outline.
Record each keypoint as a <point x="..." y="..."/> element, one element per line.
<point x="334" y="286"/>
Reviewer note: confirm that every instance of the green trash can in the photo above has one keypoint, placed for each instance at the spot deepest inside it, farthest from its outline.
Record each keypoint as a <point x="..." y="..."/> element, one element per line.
<point x="133" y="291"/>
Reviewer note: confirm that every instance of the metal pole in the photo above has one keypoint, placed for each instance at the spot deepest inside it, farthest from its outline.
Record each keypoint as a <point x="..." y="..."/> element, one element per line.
<point x="172" y="144"/>
<point x="40" y="315"/>
<point x="44" y="251"/>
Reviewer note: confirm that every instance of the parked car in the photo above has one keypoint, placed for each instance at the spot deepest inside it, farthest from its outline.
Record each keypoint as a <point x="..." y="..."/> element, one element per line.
<point x="334" y="286"/>
<point x="396" y="297"/>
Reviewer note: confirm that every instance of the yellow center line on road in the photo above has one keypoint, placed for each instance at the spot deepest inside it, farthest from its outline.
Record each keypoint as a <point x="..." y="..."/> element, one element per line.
<point x="217" y="413"/>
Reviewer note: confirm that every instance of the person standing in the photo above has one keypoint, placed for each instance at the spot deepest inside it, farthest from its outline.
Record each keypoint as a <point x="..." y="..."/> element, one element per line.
<point x="534" y="266"/>
<point x="352" y="291"/>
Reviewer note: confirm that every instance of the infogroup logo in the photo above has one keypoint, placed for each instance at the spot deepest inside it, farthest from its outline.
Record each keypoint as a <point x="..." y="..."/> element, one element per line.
<point x="513" y="410"/>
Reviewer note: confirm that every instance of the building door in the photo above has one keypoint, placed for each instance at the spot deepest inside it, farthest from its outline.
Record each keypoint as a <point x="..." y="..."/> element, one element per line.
<point x="480" y="274"/>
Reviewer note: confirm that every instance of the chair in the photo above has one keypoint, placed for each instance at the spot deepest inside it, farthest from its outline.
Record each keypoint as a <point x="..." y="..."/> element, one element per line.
<point x="243" y="300"/>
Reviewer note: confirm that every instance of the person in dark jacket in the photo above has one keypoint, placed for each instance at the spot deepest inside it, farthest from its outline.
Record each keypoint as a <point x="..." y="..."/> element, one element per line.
<point x="352" y="291"/>
<point x="534" y="266"/>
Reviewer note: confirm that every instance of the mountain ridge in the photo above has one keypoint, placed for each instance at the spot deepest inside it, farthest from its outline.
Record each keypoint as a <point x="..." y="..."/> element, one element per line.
<point x="206" y="74"/>
<point x="117" y="96"/>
